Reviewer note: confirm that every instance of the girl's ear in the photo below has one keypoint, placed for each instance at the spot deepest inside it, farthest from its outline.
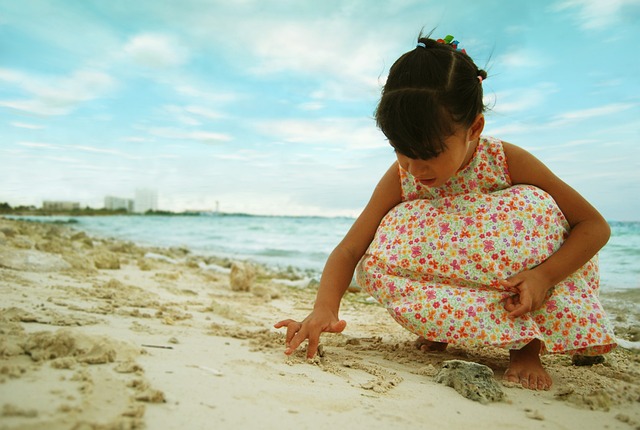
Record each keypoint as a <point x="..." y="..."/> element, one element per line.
<point x="476" y="127"/>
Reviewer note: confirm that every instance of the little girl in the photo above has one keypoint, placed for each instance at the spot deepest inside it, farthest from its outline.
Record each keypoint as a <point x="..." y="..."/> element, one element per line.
<point x="467" y="240"/>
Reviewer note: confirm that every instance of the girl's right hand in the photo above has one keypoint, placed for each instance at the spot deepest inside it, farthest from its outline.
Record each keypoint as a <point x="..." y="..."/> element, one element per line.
<point x="318" y="321"/>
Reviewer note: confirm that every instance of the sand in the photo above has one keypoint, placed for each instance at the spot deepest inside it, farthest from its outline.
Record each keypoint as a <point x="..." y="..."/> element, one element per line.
<point x="104" y="334"/>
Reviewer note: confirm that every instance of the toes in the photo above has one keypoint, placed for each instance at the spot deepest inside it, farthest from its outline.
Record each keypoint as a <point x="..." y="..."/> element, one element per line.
<point x="511" y="377"/>
<point x="537" y="382"/>
<point x="542" y="384"/>
<point x="527" y="380"/>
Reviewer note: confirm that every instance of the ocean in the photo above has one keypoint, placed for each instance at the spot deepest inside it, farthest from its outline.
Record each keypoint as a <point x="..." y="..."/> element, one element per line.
<point x="303" y="242"/>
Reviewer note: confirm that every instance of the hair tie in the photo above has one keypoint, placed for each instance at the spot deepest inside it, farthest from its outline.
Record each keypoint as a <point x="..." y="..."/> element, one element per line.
<point x="421" y="45"/>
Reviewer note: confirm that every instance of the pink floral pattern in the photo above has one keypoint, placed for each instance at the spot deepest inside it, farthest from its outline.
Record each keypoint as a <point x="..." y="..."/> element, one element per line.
<point x="437" y="257"/>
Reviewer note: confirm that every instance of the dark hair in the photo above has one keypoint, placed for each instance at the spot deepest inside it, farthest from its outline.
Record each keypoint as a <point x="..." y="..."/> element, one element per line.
<point x="431" y="90"/>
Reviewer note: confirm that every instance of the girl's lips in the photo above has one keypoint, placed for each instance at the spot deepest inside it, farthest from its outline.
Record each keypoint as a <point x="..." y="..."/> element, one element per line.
<point x="427" y="182"/>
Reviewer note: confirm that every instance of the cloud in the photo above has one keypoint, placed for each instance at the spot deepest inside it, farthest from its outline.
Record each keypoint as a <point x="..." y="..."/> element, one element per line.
<point x="585" y="114"/>
<point x="520" y="99"/>
<point x="136" y="139"/>
<point x="523" y="59"/>
<point x="156" y="51"/>
<point x="244" y="155"/>
<point x="197" y="135"/>
<point x="67" y="160"/>
<point x="598" y="14"/>
<point x="203" y="112"/>
<point x="200" y="94"/>
<point x="27" y="126"/>
<point x="311" y="106"/>
<point x="98" y="150"/>
<point x="75" y="148"/>
<point x="192" y="115"/>
<point x="348" y="133"/>
<point x="509" y="130"/>
<point x="56" y="95"/>
<point x="332" y="50"/>
<point x="40" y="145"/>
<point x="579" y="142"/>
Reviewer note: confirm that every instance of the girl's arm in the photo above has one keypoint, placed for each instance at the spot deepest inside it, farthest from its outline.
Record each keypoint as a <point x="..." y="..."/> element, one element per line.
<point x="589" y="232"/>
<point x="338" y="270"/>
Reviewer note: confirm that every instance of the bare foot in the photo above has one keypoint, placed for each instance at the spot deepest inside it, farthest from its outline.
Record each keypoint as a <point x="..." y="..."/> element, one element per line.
<point x="428" y="345"/>
<point x="526" y="369"/>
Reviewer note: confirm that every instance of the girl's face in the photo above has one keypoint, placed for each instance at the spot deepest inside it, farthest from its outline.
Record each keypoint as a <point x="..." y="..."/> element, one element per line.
<point x="434" y="172"/>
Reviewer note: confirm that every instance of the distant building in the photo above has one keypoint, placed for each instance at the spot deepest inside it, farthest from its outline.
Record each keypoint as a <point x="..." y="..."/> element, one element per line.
<point x="146" y="200"/>
<point x="54" y="205"/>
<point x="118" y="203"/>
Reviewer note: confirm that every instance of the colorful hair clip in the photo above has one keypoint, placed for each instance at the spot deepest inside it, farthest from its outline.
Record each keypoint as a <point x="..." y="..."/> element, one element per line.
<point x="421" y="45"/>
<point x="449" y="40"/>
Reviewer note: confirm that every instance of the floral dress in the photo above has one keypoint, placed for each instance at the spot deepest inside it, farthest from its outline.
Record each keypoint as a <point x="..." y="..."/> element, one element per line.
<point x="437" y="258"/>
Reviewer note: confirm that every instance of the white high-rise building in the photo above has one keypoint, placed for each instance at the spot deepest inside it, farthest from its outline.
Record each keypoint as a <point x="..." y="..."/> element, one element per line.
<point x="146" y="200"/>
<point x="115" y="203"/>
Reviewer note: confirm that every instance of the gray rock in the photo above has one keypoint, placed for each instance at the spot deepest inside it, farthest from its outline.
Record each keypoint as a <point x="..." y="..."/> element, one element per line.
<point x="31" y="260"/>
<point x="474" y="381"/>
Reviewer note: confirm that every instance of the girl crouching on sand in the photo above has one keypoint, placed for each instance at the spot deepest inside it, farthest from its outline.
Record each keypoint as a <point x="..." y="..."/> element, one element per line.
<point x="467" y="240"/>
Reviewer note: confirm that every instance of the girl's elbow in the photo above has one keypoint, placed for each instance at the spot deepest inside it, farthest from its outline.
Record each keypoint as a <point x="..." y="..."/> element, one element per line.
<point x="606" y="232"/>
<point x="600" y="231"/>
<point x="596" y="230"/>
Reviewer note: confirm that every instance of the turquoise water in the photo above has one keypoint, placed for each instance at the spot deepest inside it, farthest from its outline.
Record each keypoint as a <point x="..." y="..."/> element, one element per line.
<point x="620" y="258"/>
<point x="304" y="242"/>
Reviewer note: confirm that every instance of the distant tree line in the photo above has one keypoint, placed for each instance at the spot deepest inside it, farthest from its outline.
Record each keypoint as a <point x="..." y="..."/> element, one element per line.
<point x="5" y="208"/>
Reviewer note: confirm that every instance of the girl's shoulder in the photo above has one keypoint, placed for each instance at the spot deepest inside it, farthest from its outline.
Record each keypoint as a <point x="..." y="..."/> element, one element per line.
<point x="491" y="163"/>
<point x="492" y="144"/>
<point x="493" y="149"/>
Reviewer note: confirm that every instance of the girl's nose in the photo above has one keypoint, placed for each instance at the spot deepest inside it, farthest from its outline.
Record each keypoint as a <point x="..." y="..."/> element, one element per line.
<point x="418" y="169"/>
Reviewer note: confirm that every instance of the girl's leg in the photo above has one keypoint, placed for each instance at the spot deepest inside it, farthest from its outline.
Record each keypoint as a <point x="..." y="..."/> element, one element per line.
<point x="525" y="367"/>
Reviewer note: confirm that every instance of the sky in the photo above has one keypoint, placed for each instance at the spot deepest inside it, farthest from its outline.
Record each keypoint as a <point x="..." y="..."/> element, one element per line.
<point x="266" y="107"/>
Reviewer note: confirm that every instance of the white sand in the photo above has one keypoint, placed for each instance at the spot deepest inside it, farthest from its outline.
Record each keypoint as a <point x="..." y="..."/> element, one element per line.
<point x="166" y="343"/>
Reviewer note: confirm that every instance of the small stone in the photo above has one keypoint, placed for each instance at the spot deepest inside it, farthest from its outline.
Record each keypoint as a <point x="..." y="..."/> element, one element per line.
<point x="106" y="260"/>
<point x="265" y="292"/>
<point x="623" y="418"/>
<point x="151" y="396"/>
<point x="242" y="276"/>
<point x="128" y="367"/>
<point x="534" y="415"/>
<point x="472" y="380"/>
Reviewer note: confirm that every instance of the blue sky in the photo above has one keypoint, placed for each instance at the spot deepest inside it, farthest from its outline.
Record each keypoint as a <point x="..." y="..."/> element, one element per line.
<point x="266" y="106"/>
